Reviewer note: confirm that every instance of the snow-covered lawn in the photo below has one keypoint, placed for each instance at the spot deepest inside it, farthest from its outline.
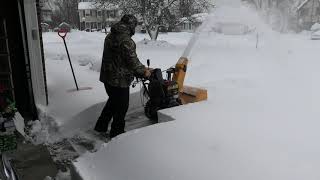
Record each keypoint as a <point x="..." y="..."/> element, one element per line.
<point x="261" y="120"/>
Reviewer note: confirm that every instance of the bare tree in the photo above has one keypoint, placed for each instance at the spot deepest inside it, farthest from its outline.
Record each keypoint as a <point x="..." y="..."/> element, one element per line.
<point x="159" y="13"/>
<point x="66" y="11"/>
<point x="154" y="13"/>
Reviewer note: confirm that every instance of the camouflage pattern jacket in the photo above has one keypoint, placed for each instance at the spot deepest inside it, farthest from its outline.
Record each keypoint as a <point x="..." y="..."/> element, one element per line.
<point x="120" y="62"/>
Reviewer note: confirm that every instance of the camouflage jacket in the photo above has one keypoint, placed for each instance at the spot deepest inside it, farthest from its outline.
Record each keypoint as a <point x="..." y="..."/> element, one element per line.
<point x="120" y="62"/>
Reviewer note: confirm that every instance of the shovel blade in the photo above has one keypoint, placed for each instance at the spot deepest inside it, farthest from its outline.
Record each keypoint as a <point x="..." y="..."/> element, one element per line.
<point x="80" y="89"/>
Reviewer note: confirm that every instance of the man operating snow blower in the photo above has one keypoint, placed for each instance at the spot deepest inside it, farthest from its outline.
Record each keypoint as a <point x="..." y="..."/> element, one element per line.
<point x="119" y="67"/>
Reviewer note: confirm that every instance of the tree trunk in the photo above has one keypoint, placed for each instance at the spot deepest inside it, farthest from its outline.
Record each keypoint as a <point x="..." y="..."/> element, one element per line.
<point x="153" y="32"/>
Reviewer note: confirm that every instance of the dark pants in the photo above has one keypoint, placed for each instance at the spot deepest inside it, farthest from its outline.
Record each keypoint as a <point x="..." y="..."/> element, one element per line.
<point x="116" y="108"/>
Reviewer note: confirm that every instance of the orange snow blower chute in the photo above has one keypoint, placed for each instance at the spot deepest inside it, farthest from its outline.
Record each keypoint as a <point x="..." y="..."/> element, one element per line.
<point x="187" y="94"/>
<point x="169" y="92"/>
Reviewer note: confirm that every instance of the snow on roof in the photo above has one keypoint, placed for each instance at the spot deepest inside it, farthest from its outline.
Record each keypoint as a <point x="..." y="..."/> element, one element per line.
<point x="86" y="5"/>
<point x="64" y="24"/>
<point x="200" y="17"/>
<point x="45" y="24"/>
<point x="195" y="18"/>
<point x="95" y="5"/>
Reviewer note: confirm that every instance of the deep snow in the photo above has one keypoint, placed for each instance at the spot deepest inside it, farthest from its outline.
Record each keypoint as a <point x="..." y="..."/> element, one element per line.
<point x="86" y="51"/>
<point x="260" y="121"/>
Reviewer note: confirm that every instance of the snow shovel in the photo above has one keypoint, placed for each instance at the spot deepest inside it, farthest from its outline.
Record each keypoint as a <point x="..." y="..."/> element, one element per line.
<point x="63" y="33"/>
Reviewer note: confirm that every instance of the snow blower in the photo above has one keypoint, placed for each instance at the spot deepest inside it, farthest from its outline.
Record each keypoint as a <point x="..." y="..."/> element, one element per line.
<point x="169" y="92"/>
<point x="63" y="33"/>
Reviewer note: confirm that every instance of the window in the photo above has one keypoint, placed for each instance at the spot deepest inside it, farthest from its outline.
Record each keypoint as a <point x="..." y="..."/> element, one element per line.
<point x="87" y="12"/>
<point x="318" y="11"/>
<point x="107" y="14"/>
<point x="94" y="25"/>
<point x="99" y="13"/>
<point x="94" y="13"/>
<point x="88" y="25"/>
<point x="83" y="13"/>
<point x="111" y="14"/>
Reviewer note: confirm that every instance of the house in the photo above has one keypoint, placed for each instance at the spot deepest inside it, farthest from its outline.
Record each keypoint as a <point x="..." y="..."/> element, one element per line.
<point x="45" y="27"/>
<point x="190" y="24"/>
<point x="65" y="27"/>
<point x="95" y="16"/>
<point x="308" y="13"/>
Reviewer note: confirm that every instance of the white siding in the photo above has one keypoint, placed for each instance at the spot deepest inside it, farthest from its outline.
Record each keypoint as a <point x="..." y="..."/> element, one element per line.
<point x="37" y="75"/>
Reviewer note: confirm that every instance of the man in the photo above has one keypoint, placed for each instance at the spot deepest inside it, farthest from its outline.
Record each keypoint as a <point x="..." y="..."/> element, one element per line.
<point x="119" y="66"/>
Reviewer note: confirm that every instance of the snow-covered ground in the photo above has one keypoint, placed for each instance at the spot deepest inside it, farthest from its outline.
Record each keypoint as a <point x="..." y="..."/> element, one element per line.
<point x="86" y="51"/>
<point x="260" y="120"/>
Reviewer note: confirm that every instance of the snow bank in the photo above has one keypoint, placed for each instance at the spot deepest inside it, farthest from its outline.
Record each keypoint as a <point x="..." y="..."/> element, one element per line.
<point x="44" y="131"/>
<point x="60" y="176"/>
<point x="315" y="27"/>
<point x="150" y="43"/>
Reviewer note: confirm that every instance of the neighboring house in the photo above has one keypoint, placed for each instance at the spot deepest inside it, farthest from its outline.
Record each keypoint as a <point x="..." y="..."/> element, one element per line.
<point x="94" y="16"/>
<point x="190" y="24"/>
<point x="45" y="27"/>
<point x="46" y="12"/>
<point x="65" y="27"/>
<point x="308" y="12"/>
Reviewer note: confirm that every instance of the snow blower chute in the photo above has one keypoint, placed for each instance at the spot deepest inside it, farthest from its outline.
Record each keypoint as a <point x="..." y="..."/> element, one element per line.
<point x="170" y="92"/>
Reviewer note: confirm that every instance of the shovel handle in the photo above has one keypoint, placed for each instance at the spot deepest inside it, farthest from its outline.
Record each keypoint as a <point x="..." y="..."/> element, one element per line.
<point x="62" y="33"/>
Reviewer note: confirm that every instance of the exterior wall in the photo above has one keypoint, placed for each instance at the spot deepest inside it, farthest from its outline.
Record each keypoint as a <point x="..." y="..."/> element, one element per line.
<point x="97" y="19"/>
<point x="35" y="55"/>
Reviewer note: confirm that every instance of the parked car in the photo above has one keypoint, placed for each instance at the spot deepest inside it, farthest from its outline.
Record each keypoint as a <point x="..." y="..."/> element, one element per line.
<point x="65" y="27"/>
<point x="315" y="31"/>
<point x="143" y="30"/>
<point x="163" y="29"/>
<point x="315" y="35"/>
<point x="56" y="29"/>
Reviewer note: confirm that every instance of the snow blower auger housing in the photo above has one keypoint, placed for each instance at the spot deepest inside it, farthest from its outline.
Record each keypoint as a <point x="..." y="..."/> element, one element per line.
<point x="169" y="92"/>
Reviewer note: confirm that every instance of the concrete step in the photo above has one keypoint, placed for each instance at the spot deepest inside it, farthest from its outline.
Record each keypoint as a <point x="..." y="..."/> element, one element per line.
<point x="32" y="162"/>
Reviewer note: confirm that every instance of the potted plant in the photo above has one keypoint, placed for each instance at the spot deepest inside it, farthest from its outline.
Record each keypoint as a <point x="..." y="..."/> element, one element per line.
<point x="8" y="110"/>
